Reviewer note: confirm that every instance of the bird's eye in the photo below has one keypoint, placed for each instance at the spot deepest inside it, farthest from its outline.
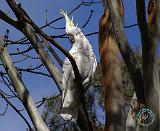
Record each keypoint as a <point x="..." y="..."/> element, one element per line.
<point x="77" y="33"/>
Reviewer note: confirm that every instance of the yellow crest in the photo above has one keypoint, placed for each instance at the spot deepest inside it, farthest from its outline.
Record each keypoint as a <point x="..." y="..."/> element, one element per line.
<point x="70" y="22"/>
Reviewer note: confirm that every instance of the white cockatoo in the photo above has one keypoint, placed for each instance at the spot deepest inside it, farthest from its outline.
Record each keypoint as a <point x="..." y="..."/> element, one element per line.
<point x="82" y="53"/>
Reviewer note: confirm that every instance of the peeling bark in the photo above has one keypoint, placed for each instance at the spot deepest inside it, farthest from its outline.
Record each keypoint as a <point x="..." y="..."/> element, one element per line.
<point x="111" y="75"/>
<point x="149" y="39"/>
<point x="129" y="58"/>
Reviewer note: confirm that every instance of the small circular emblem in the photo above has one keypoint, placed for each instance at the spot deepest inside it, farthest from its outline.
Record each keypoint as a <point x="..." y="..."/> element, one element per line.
<point x="145" y="117"/>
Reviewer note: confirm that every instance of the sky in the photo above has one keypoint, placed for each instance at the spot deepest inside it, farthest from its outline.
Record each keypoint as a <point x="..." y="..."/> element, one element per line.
<point x="39" y="86"/>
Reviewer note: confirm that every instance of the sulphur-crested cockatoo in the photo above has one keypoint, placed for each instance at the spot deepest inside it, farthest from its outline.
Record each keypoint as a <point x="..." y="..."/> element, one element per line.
<point x="82" y="53"/>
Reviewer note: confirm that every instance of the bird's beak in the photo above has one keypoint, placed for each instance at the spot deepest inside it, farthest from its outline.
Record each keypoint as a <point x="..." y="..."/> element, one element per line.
<point x="68" y="21"/>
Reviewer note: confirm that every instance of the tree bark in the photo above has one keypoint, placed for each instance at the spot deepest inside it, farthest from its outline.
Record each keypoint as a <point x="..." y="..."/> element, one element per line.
<point x="111" y="75"/>
<point x="149" y="39"/>
<point x="129" y="58"/>
<point x="131" y="122"/>
<point x="21" y="89"/>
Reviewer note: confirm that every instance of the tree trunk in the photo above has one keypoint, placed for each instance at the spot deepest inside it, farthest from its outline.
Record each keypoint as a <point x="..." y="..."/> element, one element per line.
<point x="131" y="122"/>
<point x="129" y="58"/>
<point x="149" y="38"/>
<point x="111" y="76"/>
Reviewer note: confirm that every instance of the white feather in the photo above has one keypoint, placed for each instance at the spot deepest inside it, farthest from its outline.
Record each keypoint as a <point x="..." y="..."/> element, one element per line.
<point x="85" y="59"/>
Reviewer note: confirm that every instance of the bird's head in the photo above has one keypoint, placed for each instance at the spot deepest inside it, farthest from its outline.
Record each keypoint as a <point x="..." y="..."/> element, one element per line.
<point x="71" y="29"/>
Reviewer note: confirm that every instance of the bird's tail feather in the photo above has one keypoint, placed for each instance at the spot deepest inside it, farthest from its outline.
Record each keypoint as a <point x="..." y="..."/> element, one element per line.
<point x="69" y="113"/>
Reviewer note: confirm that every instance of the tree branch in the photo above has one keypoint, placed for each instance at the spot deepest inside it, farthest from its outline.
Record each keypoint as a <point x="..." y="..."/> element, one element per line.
<point x="16" y="110"/>
<point x="78" y="78"/>
<point x="21" y="89"/>
<point x="26" y="28"/>
<point x="6" y="18"/>
<point x="149" y="40"/>
<point x="52" y="51"/>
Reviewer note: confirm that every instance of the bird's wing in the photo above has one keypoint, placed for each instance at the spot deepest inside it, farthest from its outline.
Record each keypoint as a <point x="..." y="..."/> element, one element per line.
<point x="90" y="68"/>
<point x="86" y="63"/>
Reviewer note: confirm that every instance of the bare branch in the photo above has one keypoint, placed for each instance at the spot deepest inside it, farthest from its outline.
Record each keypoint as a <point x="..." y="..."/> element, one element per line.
<point x="21" y="89"/>
<point x="30" y="68"/>
<point x="6" y="108"/>
<point x="52" y="51"/>
<point x="22" y="15"/>
<point x="9" y="20"/>
<point x="21" y="52"/>
<point x="8" y="86"/>
<point x="41" y="102"/>
<point x="37" y="72"/>
<point x="47" y="61"/>
<point x="8" y="102"/>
